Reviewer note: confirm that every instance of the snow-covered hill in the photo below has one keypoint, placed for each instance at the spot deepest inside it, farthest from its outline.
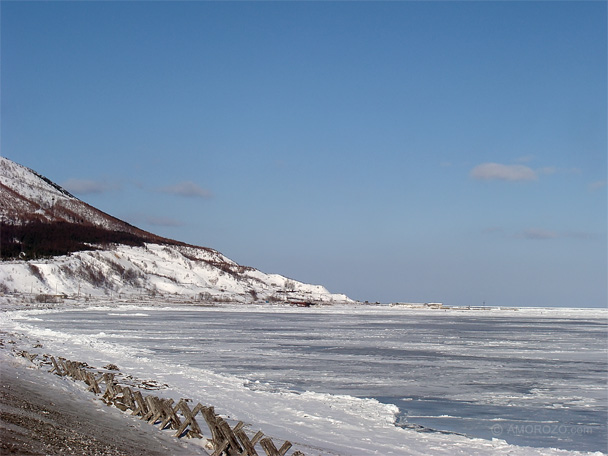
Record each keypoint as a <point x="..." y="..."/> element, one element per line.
<point x="155" y="268"/>
<point x="26" y="196"/>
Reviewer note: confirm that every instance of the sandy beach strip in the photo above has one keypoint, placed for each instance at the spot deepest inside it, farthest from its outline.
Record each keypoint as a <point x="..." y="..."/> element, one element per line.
<point x="43" y="414"/>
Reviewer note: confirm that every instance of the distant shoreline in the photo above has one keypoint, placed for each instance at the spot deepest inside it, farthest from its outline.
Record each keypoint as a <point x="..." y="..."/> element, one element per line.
<point x="29" y="301"/>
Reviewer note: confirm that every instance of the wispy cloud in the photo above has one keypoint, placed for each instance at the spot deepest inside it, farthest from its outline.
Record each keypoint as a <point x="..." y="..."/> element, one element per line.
<point x="537" y="234"/>
<point x="493" y="230"/>
<point x="162" y="221"/>
<point x="540" y="234"/>
<point x="497" y="171"/>
<point x="598" y="185"/>
<point x="583" y="235"/>
<point x="548" y="170"/>
<point x="188" y="189"/>
<point x="525" y="159"/>
<point x="88" y="186"/>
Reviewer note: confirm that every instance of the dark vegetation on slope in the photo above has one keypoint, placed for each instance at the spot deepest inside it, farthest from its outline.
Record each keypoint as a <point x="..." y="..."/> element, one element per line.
<point x="38" y="239"/>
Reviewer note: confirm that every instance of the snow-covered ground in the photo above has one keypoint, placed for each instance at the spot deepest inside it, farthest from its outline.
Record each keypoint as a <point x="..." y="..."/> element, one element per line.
<point x="354" y="380"/>
<point x="190" y="272"/>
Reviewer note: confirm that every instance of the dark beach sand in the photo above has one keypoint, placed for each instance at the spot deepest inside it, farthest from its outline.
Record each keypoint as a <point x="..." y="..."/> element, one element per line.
<point x="42" y="414"/>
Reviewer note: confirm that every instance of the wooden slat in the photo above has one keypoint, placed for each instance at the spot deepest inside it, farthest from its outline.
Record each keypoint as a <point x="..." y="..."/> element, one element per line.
<point x="61" y="363"/>
<point x="285" y="448"/>
<point x="92" y="382"/>
<point x="110" y="393"/>
<point x="158" y="410"/>
<point x="171" y="418"/>
<point x="127" y="396"/>
<point x="247" y="444"/>
<point x="216" y="435"/>
<point x="235" y="448"/>
<point x="271" y="450"/>
<point x="195" y="430"/>
<point x="56" y="368"/>
<point x="151" y="408"/>
<point x="221" y="448"/>
<point x="256" y="438"/>
<point x="269" y="447"/>
<point x="29" y="356"/>
<point x="142" y="408"/>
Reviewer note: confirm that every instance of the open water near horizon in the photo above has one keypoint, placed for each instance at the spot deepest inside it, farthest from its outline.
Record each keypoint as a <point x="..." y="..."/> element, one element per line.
<point x="533" y="379"/>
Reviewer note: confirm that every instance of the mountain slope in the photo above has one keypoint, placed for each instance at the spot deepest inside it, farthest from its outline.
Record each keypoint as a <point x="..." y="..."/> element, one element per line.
<point x="27" y="197"/>
<point x="106" y="256"/>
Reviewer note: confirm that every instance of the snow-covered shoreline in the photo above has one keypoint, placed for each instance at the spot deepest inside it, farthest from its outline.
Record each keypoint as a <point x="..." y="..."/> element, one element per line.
<point x="46" y="414"/>
<point x="24" y="300"/>
<point x="365" y="425"/>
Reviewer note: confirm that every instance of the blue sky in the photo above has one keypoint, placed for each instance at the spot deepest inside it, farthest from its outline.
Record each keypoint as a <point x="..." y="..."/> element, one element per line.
<point x="392" y="151"/>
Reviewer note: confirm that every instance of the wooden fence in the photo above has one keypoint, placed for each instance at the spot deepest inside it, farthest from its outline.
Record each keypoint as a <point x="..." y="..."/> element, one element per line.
<point x="165" y="413"/>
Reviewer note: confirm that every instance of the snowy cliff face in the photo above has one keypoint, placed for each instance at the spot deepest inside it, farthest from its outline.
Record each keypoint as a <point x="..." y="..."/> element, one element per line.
<point x="155" y="269"/>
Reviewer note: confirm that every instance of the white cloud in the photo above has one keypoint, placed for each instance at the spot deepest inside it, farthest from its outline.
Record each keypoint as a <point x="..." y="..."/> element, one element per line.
<point x="541" y="234"/>
<point x="597" y="185"/>
<point x="525" y="159"/>
<point x="493" y="230"/>
<point x="582" y="235"/>
<point x="548" y="170"/>
<point x="188" y="189"/>
<point x="497" y="171"/>
<point x="538" y="234"/>
<point x="87" y="186"/>
<point x="162" y="221"/>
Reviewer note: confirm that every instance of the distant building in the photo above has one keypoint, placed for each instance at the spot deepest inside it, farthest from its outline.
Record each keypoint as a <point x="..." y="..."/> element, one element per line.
<point x="419" y="305"/>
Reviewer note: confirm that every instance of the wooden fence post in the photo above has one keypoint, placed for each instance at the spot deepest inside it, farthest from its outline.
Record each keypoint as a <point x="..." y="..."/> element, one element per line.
<point x="119" y="401"/>
<point x="249" y="445"/>
<point x="142" y="408"/>
<point x="110" y="393"/>
<point x="127" y="398"/>
<point x="171" y="418"/>
<point x="30" y="357"/>
<point x="92" y="382"/>
<point x="195" y="430"/>
<point x="56" y="368"/>
<point x="152" y="409"/>
<point x="235" y="448"/>
<point x="271" y="450"/>
<point x="63" y="366"/>
<point x="225" y="441"/>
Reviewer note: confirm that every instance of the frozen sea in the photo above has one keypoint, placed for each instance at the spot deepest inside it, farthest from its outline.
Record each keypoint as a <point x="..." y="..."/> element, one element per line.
<point x="530" y="377"/>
